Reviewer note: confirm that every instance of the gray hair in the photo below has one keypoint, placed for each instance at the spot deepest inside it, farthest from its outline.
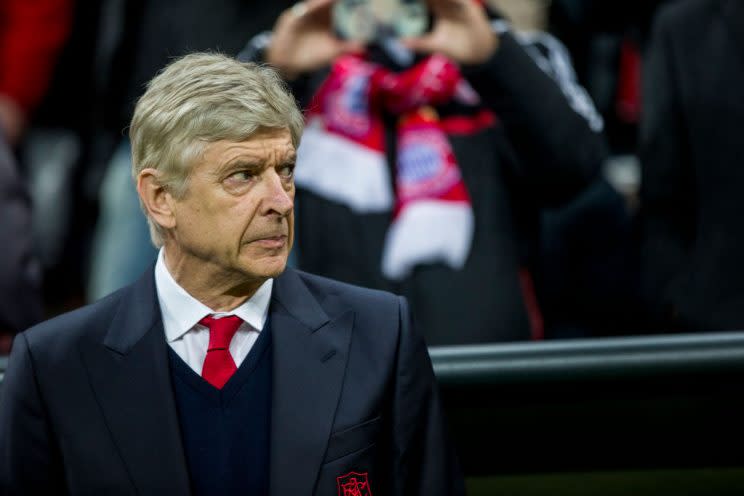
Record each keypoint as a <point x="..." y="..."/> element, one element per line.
<point x="199" y="99"/>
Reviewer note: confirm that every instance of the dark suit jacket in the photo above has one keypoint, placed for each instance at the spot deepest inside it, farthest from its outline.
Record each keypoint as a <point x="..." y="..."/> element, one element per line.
<point x="692" y="151"/>
<point x="87" y="405"/>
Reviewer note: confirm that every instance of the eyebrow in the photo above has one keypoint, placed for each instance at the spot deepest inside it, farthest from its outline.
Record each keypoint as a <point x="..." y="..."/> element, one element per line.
<point x="242" y="163"/>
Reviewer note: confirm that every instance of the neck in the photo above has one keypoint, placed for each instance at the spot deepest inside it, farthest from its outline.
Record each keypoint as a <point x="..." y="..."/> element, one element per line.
<point x="217" y="288"/>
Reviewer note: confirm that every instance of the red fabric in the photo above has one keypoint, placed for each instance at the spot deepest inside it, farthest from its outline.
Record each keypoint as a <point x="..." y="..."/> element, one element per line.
<point x="347" y="100"/>
<point x="31" y="34"/>
<point x="219" y="365"/>
<point x="629" y="83"/>
<point x="352" y="97"/>
<point x="419" y="133"/>
<point x="468" y="124"/>
<point x="430" y="82"/>
<point x="534" y="314"/>
<point x="354" y="103"/>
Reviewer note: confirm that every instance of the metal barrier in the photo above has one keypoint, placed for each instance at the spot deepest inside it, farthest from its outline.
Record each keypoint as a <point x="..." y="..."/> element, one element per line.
<point x="588" y="359"/>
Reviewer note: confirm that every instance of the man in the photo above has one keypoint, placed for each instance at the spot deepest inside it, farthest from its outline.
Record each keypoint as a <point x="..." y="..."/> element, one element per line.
<point x="220" y="372"/>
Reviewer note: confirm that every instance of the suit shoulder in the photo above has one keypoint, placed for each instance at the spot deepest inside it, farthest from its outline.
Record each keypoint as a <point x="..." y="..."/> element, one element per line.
<point x="349" y="292"/>
<point x="65" y="329"/>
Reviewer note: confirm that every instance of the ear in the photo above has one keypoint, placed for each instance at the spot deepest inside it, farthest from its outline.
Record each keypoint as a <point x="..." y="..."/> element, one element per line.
<point x="156" y="199"/>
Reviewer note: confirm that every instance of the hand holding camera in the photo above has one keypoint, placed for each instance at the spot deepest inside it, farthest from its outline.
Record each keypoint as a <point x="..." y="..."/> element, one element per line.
<point x="460" y="31"/>
<point x="303" y="39"/>
<point x="311" y="34"/>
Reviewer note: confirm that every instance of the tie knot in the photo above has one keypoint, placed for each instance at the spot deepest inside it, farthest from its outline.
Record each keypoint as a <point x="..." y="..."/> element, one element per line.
<point x="221" y="331"/>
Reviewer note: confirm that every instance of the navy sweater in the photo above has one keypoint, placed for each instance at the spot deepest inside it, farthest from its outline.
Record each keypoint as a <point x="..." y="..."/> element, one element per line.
<point x="226" y="432"/>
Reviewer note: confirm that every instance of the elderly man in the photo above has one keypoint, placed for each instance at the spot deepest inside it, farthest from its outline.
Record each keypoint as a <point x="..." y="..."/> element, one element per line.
<point x="220" y="372"/>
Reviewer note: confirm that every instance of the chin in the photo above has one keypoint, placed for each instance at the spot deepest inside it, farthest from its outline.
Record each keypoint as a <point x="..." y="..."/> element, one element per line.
<point x="267" y="268"/>
<point x="277" y="271"/>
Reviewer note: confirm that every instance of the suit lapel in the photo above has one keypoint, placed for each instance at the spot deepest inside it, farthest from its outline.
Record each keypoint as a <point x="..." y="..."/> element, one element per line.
<point x="309" y="360"/>
<point x="130" y="376"/>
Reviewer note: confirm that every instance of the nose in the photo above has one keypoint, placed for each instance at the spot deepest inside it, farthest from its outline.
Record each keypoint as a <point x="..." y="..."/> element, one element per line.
<point x="278" y="199"/>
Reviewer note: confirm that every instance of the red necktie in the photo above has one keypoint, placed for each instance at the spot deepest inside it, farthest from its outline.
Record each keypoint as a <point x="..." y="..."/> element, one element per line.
<point x="219" y="365"/>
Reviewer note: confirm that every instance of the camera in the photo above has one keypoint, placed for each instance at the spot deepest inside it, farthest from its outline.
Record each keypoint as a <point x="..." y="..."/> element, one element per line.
<point x="373" y="20"/>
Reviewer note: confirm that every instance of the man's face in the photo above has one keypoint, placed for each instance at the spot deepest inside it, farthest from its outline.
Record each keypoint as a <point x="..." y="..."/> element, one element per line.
<point x="237" y="214"/>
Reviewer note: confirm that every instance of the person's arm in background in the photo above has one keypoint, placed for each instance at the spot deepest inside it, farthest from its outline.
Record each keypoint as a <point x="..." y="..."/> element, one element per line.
<point x="20" y="272"/>
<point x="301" y="42"/>
<point x="559" y="147"/>
<point x="668" y="202"/>
<point x="31" y="34"/>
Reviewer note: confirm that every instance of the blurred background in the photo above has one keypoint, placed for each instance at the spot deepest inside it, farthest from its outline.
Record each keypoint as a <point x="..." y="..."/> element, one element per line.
<point x="604" y="187"/>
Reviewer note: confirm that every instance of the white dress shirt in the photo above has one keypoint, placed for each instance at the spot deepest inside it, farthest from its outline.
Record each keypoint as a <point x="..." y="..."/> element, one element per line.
<point x="182" y="313"/>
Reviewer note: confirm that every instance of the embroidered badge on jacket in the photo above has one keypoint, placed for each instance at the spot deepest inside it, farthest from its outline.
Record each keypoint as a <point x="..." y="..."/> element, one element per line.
<point x="353" y="484"/>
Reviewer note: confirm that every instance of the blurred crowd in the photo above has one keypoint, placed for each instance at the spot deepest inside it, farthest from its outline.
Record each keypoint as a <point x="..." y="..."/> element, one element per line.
<point x="574" y="184"/>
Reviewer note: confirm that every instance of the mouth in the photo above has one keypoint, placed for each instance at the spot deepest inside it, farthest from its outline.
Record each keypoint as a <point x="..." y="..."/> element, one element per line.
<point x="272" y="242"/>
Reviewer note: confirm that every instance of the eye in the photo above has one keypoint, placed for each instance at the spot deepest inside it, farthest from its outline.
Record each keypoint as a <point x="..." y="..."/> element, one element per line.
<point x="287" y="171"/>
<point x="239" y="180"/>
<point x="241" y="176"/>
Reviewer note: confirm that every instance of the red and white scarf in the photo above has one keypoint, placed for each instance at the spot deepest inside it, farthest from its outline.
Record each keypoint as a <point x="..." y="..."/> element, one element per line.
<point x="342" y="156"/>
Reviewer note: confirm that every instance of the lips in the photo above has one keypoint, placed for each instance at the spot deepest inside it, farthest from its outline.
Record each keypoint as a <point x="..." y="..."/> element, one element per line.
<point x="277" y="241"/>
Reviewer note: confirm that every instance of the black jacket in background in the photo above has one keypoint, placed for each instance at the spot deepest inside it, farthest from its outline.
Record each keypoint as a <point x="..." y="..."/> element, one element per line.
<point x="692" y="151"/>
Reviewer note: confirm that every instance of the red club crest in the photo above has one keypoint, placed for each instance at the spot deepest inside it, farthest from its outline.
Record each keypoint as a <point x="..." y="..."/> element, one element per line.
<point x="353" y="484"/>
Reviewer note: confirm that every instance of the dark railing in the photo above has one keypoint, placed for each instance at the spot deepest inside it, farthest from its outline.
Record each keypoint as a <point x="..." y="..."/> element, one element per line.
<point x="588" y="359"/>
<point x="598" y="416"/>
<point x="664" y="413"/>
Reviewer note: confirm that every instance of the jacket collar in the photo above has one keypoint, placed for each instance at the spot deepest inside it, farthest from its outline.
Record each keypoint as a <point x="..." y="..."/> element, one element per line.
<point x="137" y="314"/>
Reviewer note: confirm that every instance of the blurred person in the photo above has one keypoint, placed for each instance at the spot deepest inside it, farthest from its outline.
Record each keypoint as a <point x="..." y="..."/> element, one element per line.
<point x="219" y="371"/>
<point x="606" y="41"/>
<point x="426" y="176"/>
<point x="20" y="272"/>
<point x="691" y="154"/>
<point x="31" y="35"/>
<point x="584" y="269"/>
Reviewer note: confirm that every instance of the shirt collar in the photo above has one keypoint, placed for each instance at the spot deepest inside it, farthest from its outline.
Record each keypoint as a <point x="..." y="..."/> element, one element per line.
<point x="181" y="311"/>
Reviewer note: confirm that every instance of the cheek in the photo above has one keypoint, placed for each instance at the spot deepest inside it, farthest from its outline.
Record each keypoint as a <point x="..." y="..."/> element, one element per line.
<point x="206" y="221"/>
<point x="243" y="217"/>
<point x="209" y="224"/>
<point x="290" y="221"/>
<point x="189" y="219"/>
